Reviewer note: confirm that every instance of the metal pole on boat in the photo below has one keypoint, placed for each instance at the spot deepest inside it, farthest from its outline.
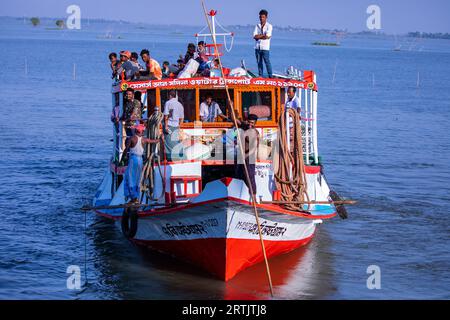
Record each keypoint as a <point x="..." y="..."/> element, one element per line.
<point x="247" y="176"/>
<point x="316" y="148"/>
<point x="74" y="76"/>
<point x="307" y="125"/>
<point x="373" y="80"/>
<point x="418" y="79"/>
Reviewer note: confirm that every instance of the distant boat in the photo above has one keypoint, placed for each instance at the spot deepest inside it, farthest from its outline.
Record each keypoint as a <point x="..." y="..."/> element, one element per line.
<point x="331" y="44"/>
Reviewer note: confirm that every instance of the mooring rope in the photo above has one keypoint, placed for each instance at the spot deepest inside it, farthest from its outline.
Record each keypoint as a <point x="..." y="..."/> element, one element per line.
<point x="152" y="155"/>
<point x="290" y="176"/>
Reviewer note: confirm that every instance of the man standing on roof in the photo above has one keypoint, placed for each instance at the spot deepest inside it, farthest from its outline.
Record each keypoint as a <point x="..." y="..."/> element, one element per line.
<point x="262" y="36"/>
<point x="153" y="71"/>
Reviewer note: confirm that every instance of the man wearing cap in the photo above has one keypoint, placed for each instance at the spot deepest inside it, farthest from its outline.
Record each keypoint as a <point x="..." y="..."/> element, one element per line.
<point x="130" y="68"/>
<point x="132" y="176"/>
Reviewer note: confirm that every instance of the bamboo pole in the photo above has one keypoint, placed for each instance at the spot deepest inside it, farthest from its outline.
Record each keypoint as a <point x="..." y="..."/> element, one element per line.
<point x="117" y="206"/>
<point x="269" y="278"/>
<point x="340" y="202"/>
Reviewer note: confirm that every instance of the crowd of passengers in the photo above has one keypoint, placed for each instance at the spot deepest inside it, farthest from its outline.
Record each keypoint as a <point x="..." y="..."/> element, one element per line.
<point x="128" y="67"/>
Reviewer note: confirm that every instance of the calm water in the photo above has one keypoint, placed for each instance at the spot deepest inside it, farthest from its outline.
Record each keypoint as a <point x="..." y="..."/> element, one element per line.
<point x="384" y="141"/>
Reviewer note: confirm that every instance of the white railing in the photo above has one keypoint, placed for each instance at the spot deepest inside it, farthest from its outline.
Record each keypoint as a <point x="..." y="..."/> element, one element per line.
<point x="308" y="102"/>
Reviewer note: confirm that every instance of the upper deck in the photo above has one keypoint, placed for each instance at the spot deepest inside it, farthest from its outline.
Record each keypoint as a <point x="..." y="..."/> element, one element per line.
<point x="263" y="96"/>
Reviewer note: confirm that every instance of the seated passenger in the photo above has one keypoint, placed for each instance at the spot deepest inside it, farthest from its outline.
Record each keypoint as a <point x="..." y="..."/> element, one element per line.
<point x="153" y="71"/>
<point x="168" y="70"/>
<point x="127" y="66"/>
<point x="190" y="53"/>
<point x="215" y="69"/>
<point x="210" y="110"/>
<point x="135" y="60"/>
<point x="201" y="57"/>
<point x="114" y="62"/>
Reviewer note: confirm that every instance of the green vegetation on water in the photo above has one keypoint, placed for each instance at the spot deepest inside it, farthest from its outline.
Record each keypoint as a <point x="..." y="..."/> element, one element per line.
<point x="318" y="43"/>
<point x="35" y="21"/>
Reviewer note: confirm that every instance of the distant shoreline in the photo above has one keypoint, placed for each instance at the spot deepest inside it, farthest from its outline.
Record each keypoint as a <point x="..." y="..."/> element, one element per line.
<point x="415" y="34"/>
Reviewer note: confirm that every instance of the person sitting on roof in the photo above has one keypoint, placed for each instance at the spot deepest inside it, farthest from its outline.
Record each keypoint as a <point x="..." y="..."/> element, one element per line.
<point x="132" y="176"/>
<point x="132" y="111"/>
<point x="135" y="60"/>
<point x="201" y="57"/>
<point x="168" y="70"/>
<point x="210" y="110"/>
<point x="190" y="53"/>
<point x="114" y="63"/>
<point x="153" y="71"/>
<point x="215" y="68"/>
<point x="129" y="68"/>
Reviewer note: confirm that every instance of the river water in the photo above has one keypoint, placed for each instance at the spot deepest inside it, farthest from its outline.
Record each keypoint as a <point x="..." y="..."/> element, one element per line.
<point x="384" y="120"/>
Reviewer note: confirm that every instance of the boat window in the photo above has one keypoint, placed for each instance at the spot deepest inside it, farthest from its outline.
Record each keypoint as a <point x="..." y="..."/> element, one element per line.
<point x="220" y="97"/>
<point x="258" y="103"/>
<point x="186" y="98"/>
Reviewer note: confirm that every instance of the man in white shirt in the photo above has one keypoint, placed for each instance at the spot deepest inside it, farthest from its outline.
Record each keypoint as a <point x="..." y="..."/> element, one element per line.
<point x="210" y="110"/>
<point x="173" y="118"/>
<point x="262" y="35"/>
<point x="292" y="101"/>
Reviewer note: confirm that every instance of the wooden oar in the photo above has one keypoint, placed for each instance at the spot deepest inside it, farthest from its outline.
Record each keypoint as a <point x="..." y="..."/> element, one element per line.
<point x="340" y="202"/>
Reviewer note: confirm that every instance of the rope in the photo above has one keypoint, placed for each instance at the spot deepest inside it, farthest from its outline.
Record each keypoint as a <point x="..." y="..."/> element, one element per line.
<point x="225" y="43"/>
<point x="247" y="177"/>
<point x="152" y="157"/>
<point x="290" y="176"/>
<point x="225" y="37"/>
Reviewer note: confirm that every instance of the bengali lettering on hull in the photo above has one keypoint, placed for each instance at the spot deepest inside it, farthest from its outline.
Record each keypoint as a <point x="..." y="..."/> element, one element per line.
<point x="225" y="219"/>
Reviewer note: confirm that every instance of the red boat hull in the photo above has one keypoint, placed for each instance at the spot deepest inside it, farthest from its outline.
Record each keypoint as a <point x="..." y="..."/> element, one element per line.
<point x="223" y="257"/>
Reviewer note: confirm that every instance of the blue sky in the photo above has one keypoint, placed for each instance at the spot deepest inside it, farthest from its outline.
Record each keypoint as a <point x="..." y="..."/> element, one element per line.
<point x="397" y="16"/>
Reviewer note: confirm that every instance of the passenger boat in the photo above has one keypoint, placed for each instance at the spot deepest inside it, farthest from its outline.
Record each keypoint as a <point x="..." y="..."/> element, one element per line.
<point x="195" y="208"/>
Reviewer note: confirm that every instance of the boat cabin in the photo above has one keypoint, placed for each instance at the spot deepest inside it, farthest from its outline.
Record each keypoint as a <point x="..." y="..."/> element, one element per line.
<point x="213" y="144"/>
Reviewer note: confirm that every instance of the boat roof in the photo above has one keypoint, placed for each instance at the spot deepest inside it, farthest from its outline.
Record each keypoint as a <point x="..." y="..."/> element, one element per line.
<point x="208" y="82"/>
